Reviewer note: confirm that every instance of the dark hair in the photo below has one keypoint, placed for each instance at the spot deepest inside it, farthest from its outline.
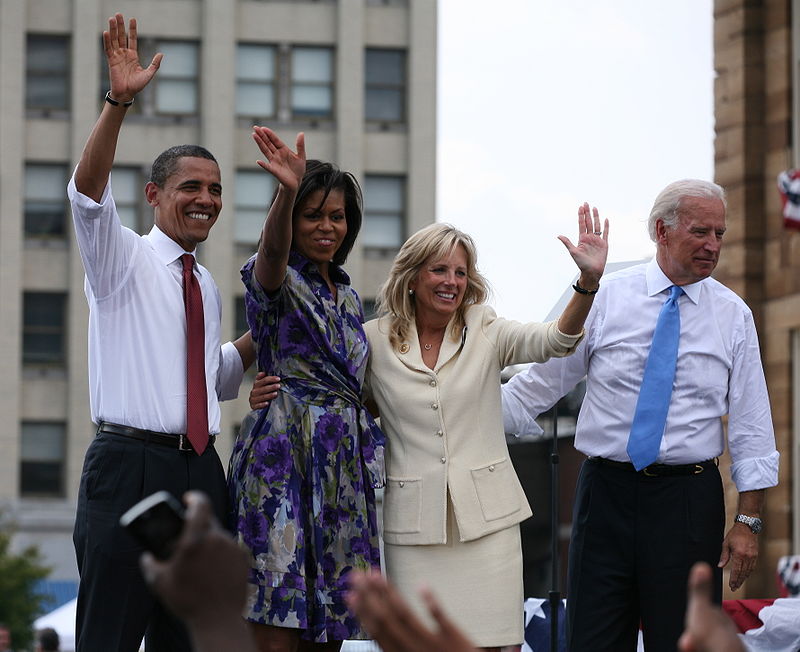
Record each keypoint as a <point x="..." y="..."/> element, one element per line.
<point x="326" y="177"/>
<point x="166" y="162"/>
<point x="48" y="639"/>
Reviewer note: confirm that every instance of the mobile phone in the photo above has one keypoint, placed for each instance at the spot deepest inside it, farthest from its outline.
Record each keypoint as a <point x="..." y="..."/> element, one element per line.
<point x="155" y="522"/>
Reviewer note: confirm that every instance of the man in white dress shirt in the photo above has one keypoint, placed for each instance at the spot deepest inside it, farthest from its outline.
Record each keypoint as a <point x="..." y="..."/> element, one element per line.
<point x="635" y="534"/>
<point x="138" y="362"/>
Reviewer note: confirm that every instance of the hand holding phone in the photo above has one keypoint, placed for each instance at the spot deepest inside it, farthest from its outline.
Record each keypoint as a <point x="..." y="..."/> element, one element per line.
<point x="155" y="522"/>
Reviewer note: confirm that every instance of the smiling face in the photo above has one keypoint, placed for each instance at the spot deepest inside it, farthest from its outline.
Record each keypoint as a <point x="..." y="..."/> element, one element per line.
<point x="439" y="287"/>
<point x="188" y="204"/>
<point x="690" y="252"/>
<point x="318" y="228"/>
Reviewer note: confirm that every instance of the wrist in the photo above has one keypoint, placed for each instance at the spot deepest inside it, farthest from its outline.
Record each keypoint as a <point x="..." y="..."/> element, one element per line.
<point x="580" y="288"/>
<point x="120" y="100"/>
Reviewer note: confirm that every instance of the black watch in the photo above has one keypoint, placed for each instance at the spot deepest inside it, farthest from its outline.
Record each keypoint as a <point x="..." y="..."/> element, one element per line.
<point x="753" y="522"/>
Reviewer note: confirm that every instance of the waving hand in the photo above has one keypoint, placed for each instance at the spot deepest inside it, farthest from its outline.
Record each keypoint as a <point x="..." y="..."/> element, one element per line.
<point x="124" y="70"/>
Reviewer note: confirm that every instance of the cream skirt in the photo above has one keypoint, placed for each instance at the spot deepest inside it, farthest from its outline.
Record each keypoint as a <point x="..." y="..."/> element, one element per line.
<point x="478" y="583"/>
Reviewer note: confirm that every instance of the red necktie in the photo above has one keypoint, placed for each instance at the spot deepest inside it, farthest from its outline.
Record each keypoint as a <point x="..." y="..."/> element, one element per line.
<point x="196" y="398"/>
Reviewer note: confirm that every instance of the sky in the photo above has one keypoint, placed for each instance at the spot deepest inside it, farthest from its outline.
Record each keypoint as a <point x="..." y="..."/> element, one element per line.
<point x="545" y="104"/>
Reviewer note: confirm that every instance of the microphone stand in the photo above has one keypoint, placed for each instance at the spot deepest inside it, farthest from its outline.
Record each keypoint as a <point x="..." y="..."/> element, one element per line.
<point x="554" y="594"/>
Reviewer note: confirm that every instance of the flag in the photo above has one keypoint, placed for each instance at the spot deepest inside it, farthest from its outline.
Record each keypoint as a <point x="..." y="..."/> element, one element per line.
<point x="789" y="186"/>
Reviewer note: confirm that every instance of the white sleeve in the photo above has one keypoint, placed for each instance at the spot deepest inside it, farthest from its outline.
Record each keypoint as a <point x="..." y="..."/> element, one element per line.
<point x="231" y="372"/>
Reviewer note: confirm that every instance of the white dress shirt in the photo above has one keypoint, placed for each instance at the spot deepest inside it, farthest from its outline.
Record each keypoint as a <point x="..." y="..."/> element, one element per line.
<point x="137" y="323"/>
<point x="718" y="372"/>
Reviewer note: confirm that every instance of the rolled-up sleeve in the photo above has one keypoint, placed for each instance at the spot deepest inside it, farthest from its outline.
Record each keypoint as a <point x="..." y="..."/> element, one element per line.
<point x="751" y="438"/>
<point x="231" y="372"/>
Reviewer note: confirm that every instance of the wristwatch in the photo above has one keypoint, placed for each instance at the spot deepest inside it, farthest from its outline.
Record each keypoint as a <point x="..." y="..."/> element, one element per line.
<point x="753" y="522"/>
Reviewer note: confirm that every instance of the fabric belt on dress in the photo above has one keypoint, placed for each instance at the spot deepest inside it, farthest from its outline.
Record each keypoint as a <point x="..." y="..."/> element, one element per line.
<point x="180" y="442"/>
<point x="660" y="470"/>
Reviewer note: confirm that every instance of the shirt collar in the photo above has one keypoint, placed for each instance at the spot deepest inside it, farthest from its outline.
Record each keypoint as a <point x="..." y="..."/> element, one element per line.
<point x="166" y="249"/>
<point x="657" y="282"/>
<point x="300" y="263"/>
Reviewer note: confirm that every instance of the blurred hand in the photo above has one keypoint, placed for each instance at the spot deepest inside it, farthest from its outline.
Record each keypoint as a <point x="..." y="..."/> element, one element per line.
<point x="390" y="621"/>
<point x="708" y="629"/>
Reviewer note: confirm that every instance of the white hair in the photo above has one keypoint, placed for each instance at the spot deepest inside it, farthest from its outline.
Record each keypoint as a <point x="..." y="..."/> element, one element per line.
<point x="668" y="203"/>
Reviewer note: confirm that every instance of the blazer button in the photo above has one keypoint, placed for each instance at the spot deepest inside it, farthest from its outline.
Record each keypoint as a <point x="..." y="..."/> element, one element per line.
<point x="434" y="406"/>
<point x="439" y="433"/>
<point x="401" y="483"/>
<point x="404" y="347"/>
<point x="443" y="460"/>
<point x="433" y="383"/>
<point x="491" y="467"/>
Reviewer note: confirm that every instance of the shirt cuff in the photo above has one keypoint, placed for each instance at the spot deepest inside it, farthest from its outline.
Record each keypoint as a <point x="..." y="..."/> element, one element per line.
<point x="756" y="472"/>
<point x="231" y="372"/>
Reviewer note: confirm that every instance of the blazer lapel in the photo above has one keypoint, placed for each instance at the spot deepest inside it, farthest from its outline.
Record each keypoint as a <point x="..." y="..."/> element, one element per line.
<point x="411" y="355"/>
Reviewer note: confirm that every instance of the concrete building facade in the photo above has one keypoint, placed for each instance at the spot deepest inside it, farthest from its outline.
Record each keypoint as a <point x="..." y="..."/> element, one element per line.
<point x="357" y="76"/>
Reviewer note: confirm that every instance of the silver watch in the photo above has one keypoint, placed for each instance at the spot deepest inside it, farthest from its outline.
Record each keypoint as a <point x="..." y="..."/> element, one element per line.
<point x="753" y="522"/>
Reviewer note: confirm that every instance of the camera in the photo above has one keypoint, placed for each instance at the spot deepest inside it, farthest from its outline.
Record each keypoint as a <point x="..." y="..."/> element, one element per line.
<point x="155" y="522"/>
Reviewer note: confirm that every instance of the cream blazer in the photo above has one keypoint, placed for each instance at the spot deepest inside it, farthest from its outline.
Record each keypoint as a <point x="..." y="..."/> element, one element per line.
<point x="444" y="426"/>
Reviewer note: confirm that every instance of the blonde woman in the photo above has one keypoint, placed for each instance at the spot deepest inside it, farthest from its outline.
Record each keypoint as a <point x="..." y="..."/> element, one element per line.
<point x="452" y="503"/>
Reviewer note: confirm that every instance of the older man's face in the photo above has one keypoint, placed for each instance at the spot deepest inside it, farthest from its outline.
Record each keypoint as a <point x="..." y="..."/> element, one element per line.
<point x="690" y="252"/>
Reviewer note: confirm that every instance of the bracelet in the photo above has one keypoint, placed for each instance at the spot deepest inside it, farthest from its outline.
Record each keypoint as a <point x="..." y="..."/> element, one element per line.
<point x="581" y="290"/>
<point x="114" y="102"/>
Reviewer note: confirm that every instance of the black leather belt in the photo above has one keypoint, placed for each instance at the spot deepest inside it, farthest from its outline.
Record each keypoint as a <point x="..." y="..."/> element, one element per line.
<point x="181" y="442"/>
<point x="659" y="470"/>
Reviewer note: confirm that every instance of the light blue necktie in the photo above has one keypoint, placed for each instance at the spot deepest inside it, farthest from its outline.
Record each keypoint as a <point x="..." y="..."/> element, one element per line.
<point x="654" y="396"/>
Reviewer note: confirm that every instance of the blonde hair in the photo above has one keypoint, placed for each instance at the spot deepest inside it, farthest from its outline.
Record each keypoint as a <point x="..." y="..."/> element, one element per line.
<point x="433" y="242"/>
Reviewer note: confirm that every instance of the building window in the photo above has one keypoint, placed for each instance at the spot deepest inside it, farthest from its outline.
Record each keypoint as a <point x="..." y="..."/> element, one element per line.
<point x="47" y="73"/>
<point x="44" y="320"/>
<point x="385" y="92"/>
<point x="176" y="81"/>
<point x="312" y="82"/>
<point x="384" y="212"/>
<point x="128" y="196"/>
<point x="42" y="459"/>
<point x="45" y="200"/>
<point x="254" y="189"/>
<point x="256" y="81"/>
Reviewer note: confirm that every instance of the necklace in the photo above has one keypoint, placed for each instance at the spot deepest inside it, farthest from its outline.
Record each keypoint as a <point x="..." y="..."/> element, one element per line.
<point x="427" y="347"/>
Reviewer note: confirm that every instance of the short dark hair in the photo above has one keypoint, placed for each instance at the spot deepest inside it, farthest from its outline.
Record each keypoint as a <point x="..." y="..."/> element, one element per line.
<point x="48" y="640"/>
<point x="324" y="176"/>
<point x="166" y="162"/>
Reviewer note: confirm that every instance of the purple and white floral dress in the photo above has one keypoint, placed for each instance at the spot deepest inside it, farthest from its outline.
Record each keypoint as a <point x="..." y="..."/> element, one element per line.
<point x="302" y="478"/>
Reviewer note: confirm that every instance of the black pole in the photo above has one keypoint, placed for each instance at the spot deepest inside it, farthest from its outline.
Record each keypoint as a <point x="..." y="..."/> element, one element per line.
<point x="555" y="593"/>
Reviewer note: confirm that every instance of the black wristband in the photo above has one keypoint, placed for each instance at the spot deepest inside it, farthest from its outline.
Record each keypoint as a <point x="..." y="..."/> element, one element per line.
<point x="114" y="102"/>
<point x="581" y="290"/>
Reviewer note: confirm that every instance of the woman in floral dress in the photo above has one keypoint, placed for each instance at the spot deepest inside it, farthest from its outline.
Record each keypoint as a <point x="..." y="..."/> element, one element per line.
<point x="302" y="478"/>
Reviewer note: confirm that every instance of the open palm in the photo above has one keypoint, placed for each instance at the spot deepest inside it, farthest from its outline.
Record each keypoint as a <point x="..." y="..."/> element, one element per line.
<point x="125" y="73"/>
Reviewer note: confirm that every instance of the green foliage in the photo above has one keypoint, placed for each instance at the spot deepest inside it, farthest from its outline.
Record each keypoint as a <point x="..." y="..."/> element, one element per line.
<point x="20" y="603"/>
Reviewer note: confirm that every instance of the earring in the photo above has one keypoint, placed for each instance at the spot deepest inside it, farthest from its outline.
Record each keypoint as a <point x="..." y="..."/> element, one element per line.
<point x="410" y="292"/>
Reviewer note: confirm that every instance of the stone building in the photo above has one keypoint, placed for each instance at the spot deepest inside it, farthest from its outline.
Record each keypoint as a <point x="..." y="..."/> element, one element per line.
<point x="756" y="50"/>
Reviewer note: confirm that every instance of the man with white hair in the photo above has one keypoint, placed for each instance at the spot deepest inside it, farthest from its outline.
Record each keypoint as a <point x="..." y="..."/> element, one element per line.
<point x="668" y="353"/>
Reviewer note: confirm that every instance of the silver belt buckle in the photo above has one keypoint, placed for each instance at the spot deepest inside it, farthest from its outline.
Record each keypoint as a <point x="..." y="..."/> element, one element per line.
<point x="184" y="444"/>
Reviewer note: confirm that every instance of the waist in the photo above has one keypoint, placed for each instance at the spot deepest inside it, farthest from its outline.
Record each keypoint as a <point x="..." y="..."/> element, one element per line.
<point x="658" y="470"/>
<point x="179" y="442"/>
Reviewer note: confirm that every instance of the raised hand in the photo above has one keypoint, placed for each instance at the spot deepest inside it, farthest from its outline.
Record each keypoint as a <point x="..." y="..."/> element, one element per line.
<point x="281" y="162"/>
<point x="125" y="73"/>
<point x="592" y="249"/>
